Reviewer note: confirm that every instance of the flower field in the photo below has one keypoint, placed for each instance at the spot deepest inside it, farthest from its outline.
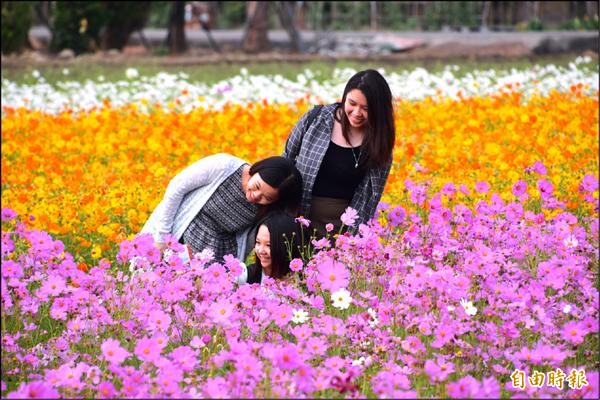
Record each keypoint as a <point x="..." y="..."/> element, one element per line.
<point x="478" y="278"/>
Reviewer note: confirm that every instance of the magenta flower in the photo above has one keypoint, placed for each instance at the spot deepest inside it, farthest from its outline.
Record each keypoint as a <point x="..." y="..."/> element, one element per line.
<point x="482" y="187"/>
<point x="303" y="221"/>
<point x="333" y="275"/>
<point x="11" y="269"/>
<point x="296" y="264"/>
<point x="574" y="332"/>
<point x="221" y="312"/>
<point x="287" y="358"/>
<point x="545" y="188"/>
<point x="185" y="357"/>
<point x="589" y="183"/>
<point x="465" y="387"/>
<point x="158" y="320"/>
<point x="34" y="390"/>
<point x="438" y="371"/>
<point x="396" y="216"/>
<point x="349" y="216"/>
<point x="106" y="390"/>
<point x="537" y="167"/>
<point x="147" y="349"/>
<point x="519" y="188"/>
<point x="53" y="286"/>
<point x="413" y="344"/>
<point x="448" y="189"/>
<point x="443" y="335"/>
<point x="113" y="352"/>
<point x="8" y="214"/>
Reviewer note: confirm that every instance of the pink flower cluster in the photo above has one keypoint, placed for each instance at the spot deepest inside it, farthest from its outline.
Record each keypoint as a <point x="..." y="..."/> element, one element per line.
<point x="152" y="326"/>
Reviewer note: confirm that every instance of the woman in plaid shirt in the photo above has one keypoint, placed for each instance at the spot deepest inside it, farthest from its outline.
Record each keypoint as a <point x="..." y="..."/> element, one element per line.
<point x="345" y="153"/>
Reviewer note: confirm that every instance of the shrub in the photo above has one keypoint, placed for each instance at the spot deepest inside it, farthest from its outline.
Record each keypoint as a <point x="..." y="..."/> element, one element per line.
<point x="76" y="25"/>
<point x="16" y="20"/>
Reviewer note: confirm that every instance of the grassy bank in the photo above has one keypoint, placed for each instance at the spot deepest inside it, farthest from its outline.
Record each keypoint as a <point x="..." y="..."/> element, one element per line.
<point x="82" y="70"/>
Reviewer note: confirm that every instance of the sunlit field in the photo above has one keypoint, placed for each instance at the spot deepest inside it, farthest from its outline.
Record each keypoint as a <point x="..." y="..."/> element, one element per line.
<point x="478" y="277"/>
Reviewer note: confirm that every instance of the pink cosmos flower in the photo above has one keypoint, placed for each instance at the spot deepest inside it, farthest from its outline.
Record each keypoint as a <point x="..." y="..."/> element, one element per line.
<point x="589" y="183"/>
<point x="196" y="342"/>
<point x="545" y="188"/>
<point x="438" y="371"/>
<point x="574" y="332"/>
<point x="448" y="189"/>
<point x="106" y="390"/>
<point x="482" y="187"/>
<point x="349" y="216"/>
<point x="537" y="167"/>
<point x="296" y="264"/>
<point x="185" y="357"/>
<point x="328" y="227"/>
<point x="8" y="214"/>
<point x="465" y="387"/>
<point x="303" y="221"/>
<point x="519" y="188"/>
<point x="11" y="269"/>
<point x="333" y="275"/>
<point x="147" y="349"/>
<point x="233" y="265"/>
<point x="282" y="314"/>
<point x="159" y="320"/>
<point x="113" y="352"/>
<point x="396" y="216"/>
<point x="34" y="390"/>
<point x="287" y="357"/>
<point x="443" y="334"/>
<point x="221" y="312"/>
<point x="413" y="344"/>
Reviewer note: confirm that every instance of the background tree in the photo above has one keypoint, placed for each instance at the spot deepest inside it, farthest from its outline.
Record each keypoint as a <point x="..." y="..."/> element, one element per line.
<point x="124" y="18"/>
<point x="176" y="41"/>
<point x="16" y="20"/>
<point x="257" y="25"/>
<point x="76" y="25"/>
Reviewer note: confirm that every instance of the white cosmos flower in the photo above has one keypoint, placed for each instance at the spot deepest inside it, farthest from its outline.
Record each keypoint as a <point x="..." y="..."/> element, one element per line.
<point x="299" y="316"/>
<point x="567" y="309"/>
<point x="132" y="73"/>
<point x="165" y="88"/>
<point x="470" y="309"/>
<point x="341" y="299"/>
<point x="570" y="242"/>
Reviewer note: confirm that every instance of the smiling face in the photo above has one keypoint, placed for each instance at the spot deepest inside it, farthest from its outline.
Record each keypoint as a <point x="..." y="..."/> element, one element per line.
<point x="260" y="192"/>
<point x="262" y="248"/>
<point x="356" y="108"/>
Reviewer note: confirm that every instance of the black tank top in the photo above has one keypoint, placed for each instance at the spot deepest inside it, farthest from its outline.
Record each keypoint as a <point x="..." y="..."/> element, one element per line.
<point x="338" y="177"/>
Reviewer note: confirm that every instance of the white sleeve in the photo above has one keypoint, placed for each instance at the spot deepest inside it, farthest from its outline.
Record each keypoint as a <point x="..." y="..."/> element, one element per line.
<point x="198" y="174"/>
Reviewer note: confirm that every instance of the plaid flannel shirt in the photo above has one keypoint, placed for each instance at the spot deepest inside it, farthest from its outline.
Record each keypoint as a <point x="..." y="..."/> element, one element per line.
<point x="308" y="150"/>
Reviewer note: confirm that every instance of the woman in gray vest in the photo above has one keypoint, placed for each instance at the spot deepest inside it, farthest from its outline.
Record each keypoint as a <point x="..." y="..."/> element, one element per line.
<point x="213" y="203"/>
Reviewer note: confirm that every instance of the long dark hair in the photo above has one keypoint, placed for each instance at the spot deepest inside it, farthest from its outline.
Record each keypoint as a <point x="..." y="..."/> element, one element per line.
<point x="380" y="131"/>
<point x="284" y="237"/>
<point x="280" y="173"/>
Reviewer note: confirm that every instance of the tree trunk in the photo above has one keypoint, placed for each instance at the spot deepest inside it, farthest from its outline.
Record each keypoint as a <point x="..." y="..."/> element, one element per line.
<point x="257" y="26"/>
<point x="176" y="41"/>
<point x="129" y="16"/>
<point x="286" y="17"/>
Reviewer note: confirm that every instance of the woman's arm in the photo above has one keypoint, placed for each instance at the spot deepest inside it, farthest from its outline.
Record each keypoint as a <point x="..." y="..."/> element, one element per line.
<point x="198" y="174"/>
<point x="294" y="140"/>
<point x="368" y="194"/>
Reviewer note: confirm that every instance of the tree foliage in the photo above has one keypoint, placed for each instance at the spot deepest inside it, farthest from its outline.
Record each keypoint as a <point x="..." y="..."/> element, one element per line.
<point x="16" y="21"/>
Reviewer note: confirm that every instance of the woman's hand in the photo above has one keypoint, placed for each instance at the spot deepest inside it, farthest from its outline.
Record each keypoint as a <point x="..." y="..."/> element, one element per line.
<point x="160" y="246"/>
